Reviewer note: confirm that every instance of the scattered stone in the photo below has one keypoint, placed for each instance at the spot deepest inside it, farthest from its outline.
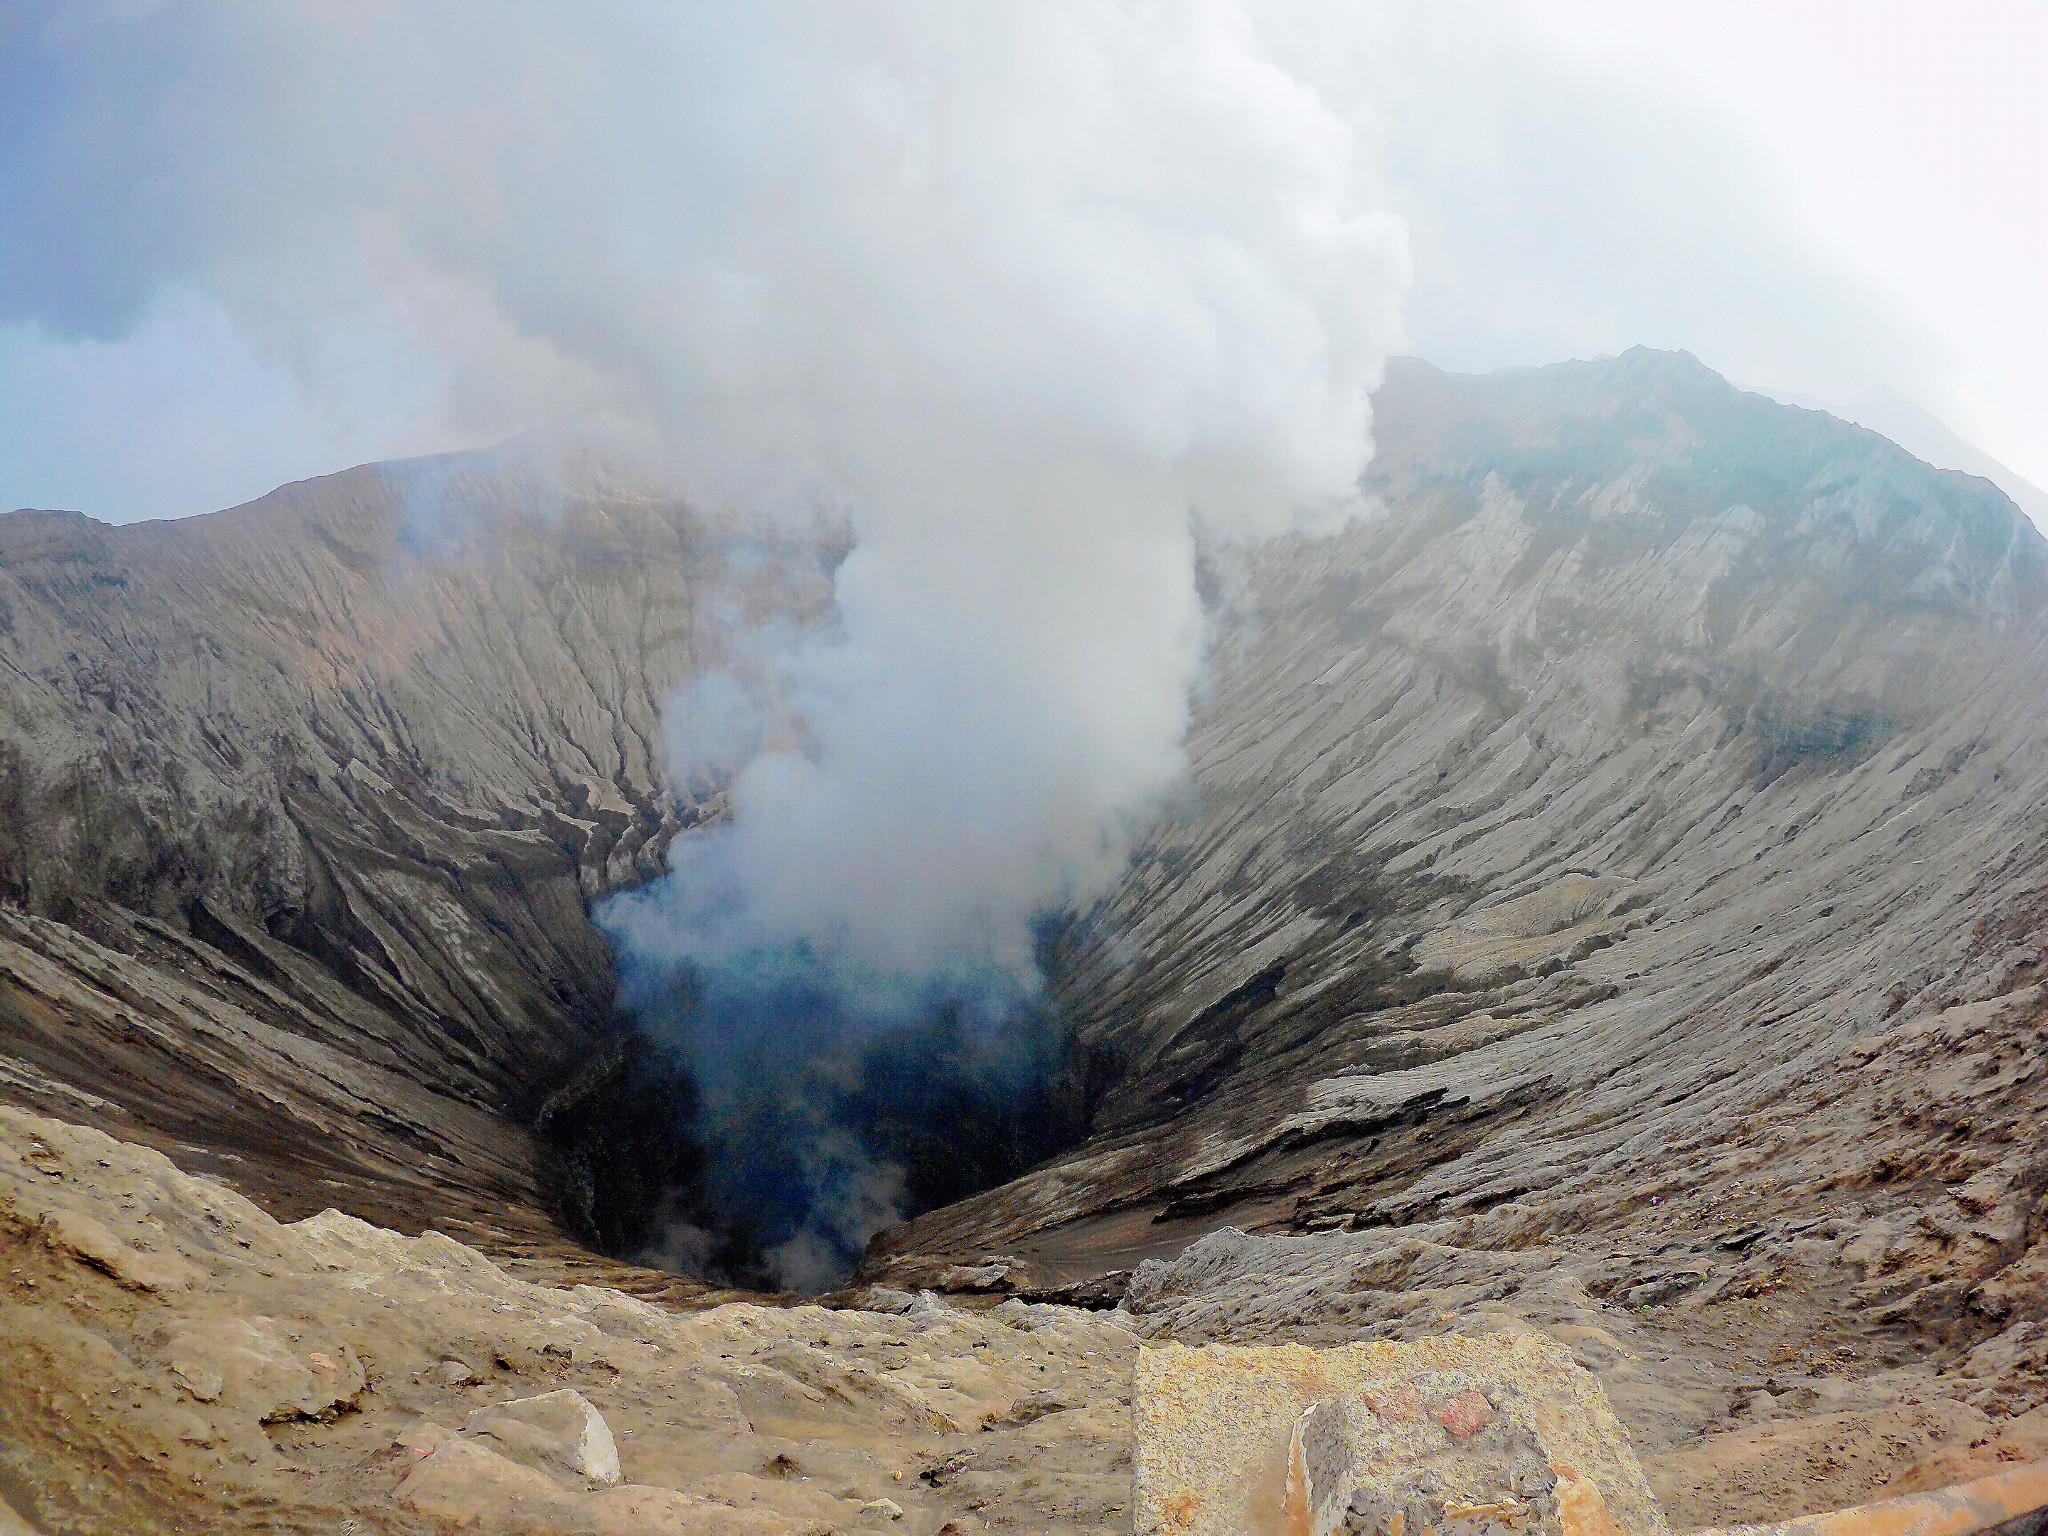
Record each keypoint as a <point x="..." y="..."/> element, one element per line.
<point x="993" y="1273"/>
<point x="423" y="1438"/>
<point x="258" y="1371"/>
<point x="1657" y="1291"/>
<point x="200" y="1384"/>
<point x="462" y="1480"/>
<point x="885" y="1298"/>
<point x="1100" y="1292"/>
<point x="556" y="1432"/>
<point x="1028" y="1409"/>
<point x="882" y="1509"/>
<point x="943" y="1471"/>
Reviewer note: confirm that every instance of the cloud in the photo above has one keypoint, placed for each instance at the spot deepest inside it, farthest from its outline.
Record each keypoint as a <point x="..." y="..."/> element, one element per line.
<point x="1570" y="195"/>
<point x="181" y="416"/>
<point x="521" y="209"/>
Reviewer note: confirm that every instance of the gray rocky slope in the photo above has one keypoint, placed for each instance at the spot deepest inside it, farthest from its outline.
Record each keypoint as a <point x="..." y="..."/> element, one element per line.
<point x="1654" y="745"/>
<point x="303" y="805"/>
<point x="1608" y="891"/>
<point x="1610" y="901"/>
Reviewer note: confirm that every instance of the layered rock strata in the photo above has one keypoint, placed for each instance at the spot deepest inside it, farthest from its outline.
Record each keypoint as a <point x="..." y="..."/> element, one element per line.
<point x="1609" y="898"/>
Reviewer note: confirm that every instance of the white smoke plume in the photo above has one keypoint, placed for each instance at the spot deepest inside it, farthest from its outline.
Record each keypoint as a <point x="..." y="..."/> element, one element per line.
<point x="1023" y="291"/>
<point x="1026" y="289"/>
<point x="1019" y="286"/>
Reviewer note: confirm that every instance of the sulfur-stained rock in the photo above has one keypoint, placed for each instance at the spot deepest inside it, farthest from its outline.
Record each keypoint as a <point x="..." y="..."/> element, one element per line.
<point x="1321" y="1469"/>
<point x="1464" y="1415"/>
<point x="199" y="1383"/>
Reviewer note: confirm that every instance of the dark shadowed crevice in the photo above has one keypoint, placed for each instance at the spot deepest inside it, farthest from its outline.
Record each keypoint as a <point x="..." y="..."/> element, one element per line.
<point x="777" y="1179"/>
<point x="626" y="1140"/>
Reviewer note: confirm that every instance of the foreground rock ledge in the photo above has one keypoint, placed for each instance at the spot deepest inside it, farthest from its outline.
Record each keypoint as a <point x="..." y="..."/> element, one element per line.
<point x="1500" y="1434"/>
<point x="172" y="1359"/>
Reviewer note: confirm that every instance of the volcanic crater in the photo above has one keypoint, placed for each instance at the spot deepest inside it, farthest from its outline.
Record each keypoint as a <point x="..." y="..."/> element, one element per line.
<point x="1607" y="902"/>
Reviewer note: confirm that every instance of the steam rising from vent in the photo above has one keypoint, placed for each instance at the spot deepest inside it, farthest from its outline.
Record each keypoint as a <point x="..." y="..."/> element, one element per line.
<point x="1023" y="292"/>
<point x="1029" y="298"/>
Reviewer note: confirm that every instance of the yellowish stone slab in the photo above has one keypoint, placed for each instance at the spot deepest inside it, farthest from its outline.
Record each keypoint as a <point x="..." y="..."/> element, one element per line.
<point x="1495" y="1436"/>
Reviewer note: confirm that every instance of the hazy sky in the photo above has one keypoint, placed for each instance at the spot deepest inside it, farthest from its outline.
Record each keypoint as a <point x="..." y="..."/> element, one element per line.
<point x="242" y="243"/>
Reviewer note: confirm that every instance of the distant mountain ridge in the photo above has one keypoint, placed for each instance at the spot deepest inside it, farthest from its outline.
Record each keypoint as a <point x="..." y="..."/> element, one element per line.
<point x="1917" y="430"/>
